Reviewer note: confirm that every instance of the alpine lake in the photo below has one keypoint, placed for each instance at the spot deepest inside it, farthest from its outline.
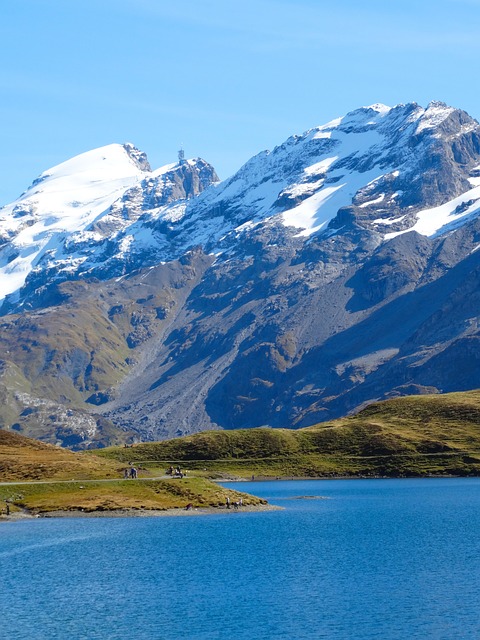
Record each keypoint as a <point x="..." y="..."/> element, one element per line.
<point x="343" y="559"/>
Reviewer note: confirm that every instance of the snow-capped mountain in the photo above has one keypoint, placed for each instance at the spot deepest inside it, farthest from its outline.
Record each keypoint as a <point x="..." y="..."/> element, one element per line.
<point x="62" y="201"/>
<point x="338" y="268"/>
<point x="72" y="210"/>
<point x="105" y="212"/>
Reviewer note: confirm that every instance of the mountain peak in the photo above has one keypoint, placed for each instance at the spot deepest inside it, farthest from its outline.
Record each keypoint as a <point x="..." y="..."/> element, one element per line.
<point x="364" y="113"/>
<point x="68" y="198"/>
<point x="378" y="107"/>
<point x="434" y="115"/>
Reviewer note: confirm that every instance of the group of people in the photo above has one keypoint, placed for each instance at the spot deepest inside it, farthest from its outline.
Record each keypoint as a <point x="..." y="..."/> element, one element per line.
<point x="236" y="504"/>
<point x="132" y="472"/>
<point x="176" y="472"/>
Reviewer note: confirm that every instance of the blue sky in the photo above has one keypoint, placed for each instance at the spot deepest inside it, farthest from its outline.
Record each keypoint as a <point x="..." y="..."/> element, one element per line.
<point x="225" y="79"/>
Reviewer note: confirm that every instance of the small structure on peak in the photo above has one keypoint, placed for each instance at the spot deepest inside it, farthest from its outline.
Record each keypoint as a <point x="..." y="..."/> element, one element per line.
<point x="181" y="156"/>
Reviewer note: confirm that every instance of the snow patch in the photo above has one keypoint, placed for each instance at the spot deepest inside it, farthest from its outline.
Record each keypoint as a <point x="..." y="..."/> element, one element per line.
<point x="388" y="221"/>
<point x="320" y="167"/>
<point x="307" y="215"/>
<point x="380" y="198"/>
<point x="431" y="222"/>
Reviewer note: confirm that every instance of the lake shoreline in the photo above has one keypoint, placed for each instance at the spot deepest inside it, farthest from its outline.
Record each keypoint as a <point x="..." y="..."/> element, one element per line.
<point x="340" y="477"/>
<point x="138" y="513"/>
<point x="16" y="516"/>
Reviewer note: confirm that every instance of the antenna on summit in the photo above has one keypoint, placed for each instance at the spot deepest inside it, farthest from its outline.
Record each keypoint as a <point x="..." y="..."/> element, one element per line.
<point x="181" y="156"/>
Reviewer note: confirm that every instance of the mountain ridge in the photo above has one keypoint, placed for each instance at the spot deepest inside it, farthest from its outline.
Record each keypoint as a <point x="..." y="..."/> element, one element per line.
<point x="307" y="183"/>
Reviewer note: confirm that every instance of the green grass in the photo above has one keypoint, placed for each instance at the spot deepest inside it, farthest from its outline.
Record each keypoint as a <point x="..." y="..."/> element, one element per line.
<point x="94" y="496"/>
<point x="411" y="436"/>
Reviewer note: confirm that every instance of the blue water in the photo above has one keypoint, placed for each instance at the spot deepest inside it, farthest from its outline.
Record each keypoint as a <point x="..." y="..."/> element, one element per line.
<point x="389" y="559"/>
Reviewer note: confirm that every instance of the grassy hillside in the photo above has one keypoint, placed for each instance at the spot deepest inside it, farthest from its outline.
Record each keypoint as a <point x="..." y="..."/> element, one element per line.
<point x="416" y="435"/>
<point x="39" y="478"/>
<point x="413" y="436"/>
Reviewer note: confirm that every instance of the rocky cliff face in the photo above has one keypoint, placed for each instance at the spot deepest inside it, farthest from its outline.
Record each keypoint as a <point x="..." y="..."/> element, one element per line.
<point x="340" y="268"/>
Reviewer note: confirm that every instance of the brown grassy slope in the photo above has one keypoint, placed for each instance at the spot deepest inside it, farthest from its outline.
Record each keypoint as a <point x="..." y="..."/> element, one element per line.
<point x="24" y="459"/>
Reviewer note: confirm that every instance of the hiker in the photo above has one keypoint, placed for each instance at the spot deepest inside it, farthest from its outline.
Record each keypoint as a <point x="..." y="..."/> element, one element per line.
<point x="228" y="502"/>
<point x="125" y="474"/>
<point x="133" y="473"/>
<point x="7" y="504"/>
